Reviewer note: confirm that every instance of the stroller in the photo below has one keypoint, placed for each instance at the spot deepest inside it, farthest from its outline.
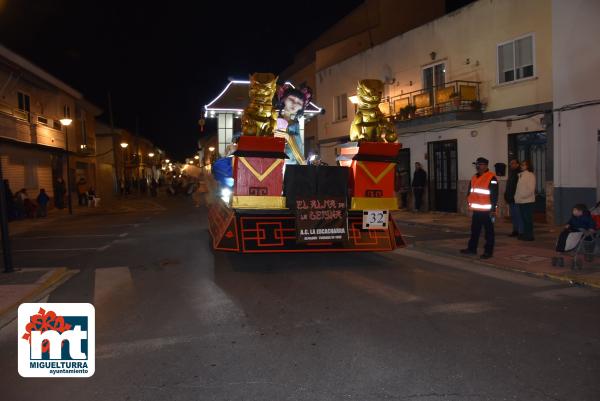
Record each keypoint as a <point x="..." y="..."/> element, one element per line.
<point x="582" y="245"/>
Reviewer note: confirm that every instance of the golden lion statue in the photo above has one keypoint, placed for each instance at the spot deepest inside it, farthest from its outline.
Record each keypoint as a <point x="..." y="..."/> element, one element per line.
<point x="260" y="117"/>
<point x="369" y="123"/>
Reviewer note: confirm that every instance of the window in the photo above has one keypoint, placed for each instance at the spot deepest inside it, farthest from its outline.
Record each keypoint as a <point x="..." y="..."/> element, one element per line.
<point x="516" y="59"/>
<point x="340" y="107"/>
<point x="24" y="102"/>
<point x="434" y="76"/>
<point x="225" y="131"/>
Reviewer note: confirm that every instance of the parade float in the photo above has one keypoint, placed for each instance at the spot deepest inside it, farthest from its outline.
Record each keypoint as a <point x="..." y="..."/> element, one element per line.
<point x="275" y="201"/>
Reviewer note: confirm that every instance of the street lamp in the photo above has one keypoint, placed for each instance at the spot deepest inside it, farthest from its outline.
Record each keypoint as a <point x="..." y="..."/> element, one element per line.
<point x="211" y="149"/>
<point x="123" y="147"/>
<point x="167" y="161"/>
<point x="196" y="157"/>
<point x="150" y="154"/>
<point x="65" y="122"/>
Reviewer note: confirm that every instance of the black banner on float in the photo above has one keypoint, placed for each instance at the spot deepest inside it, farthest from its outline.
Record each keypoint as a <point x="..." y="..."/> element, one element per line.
<point x="323" y="219"/>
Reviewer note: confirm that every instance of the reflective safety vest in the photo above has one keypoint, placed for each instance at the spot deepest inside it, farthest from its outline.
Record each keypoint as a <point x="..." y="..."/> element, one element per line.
<point x="479" y="197"/>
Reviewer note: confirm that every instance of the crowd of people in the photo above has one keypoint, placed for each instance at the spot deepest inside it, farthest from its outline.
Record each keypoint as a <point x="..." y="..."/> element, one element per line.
<point x="142" y="186"/>
<point x="22" y="205"/>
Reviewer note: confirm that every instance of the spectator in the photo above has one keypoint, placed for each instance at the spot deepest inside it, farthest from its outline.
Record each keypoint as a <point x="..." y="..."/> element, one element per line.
<point x="24" y="204"/>
<point x="419" y="183"/>
<point x="580" y="224"/>
<point x="91" y="197"/>
<point x="42" y="201"/>
<point x="154" y="188"/>
<point x="525" y="199"/>
<point x="82" y="191"/>
<point x="509" y="197"/>
<point x="59" y="193"/>
<point x="11" y="209"/>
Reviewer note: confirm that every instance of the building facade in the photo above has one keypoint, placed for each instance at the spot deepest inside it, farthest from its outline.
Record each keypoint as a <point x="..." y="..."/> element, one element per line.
<point x="475" y="82"/>
<point x="34" y="143"/>
<point x="371" y="23"/>
<point x="576" y="98"/>
<point x="125" y="158"/>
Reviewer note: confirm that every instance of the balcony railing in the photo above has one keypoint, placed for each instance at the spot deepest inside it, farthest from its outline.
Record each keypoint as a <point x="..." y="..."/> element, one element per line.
<point x="454" y="96"/>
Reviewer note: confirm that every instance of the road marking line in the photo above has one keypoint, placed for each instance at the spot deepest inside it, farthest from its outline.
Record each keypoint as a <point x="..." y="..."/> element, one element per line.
<point x="107" y="280"/>
<point x="460" y="308"/>
<point x="56" y="250"/>
<point x="103" y="248"/>
<point x="376" y="288"/>
<point x="123" y="235"/>
<point x="470" y="266"/>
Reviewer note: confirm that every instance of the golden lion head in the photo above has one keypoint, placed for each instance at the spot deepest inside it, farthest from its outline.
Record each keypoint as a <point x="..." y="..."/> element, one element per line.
<point x="369" y="92"/>
<point x="262" y="87"/>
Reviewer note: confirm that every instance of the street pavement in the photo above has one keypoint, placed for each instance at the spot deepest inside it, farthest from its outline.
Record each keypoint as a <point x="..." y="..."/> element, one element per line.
<point x="176" y="321"/>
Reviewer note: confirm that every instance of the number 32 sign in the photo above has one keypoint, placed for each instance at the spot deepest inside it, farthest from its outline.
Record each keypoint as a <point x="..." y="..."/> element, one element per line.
<point x="375" y="219"/>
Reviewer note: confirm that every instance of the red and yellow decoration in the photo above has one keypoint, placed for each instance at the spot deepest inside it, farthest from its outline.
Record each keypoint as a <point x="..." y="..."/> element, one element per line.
<point x="258" y="173"/>
<point x="373" y="176"/>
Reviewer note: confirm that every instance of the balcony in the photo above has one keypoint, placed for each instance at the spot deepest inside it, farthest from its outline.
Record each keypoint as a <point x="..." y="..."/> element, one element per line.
<point x="455" y="101"/>
<point x="16" y="125"/>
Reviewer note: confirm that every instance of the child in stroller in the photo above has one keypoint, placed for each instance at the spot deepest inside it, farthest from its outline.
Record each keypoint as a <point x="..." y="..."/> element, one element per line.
<point x="578" y="236"/>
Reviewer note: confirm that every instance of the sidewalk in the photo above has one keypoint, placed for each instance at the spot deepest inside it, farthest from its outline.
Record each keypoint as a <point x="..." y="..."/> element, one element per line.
<point x="533" y="258"/>
<point x="28" y="285"/>
<point x="120" y="205"/>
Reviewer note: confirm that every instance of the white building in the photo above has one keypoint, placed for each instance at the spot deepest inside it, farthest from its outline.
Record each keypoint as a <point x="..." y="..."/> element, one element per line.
<point x="499" y="55"/>
<point x="576" y="93"/>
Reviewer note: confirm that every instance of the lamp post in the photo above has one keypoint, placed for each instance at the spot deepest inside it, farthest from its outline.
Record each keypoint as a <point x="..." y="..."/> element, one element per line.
<point x="6" y="250"/>
<point x="65" y="122"/>
<point x="123" y="147"/>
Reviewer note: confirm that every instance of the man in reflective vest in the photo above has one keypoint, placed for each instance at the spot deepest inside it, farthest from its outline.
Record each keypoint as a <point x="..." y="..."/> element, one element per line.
<point x="482" y="198"/>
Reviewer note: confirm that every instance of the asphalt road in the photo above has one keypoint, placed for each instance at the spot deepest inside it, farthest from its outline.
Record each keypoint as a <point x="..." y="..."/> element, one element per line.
<point x="177" y="322"/>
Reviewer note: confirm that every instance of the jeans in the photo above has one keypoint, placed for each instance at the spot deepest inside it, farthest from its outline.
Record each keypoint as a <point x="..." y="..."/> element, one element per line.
<point x="479" y="220"/>
<point x="515" y="216"/>
<point x="526" y="212"/>
<point x="418" y="191"/>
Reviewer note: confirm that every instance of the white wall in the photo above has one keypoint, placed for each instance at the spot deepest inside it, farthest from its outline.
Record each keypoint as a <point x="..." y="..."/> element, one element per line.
<point x="473" y="33"/>
<point x="576" y="57"/>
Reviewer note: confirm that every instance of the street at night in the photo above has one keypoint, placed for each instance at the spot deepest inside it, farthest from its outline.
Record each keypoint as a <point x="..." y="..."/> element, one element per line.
<point x="317" y="201"/>
<point x="176" y="321"/>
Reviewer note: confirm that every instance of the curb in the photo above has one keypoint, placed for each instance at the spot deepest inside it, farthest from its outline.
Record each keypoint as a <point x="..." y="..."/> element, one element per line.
<point x="576" y="281"/>
<point x="58" y="277"/>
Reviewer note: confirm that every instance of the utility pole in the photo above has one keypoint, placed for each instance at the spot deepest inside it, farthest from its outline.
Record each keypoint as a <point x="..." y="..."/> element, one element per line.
<point x="115" y="145"/>
<point x="6" y="250"/>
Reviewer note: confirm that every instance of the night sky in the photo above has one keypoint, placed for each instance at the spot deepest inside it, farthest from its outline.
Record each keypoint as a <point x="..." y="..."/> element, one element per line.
<point x="162" y="61"/>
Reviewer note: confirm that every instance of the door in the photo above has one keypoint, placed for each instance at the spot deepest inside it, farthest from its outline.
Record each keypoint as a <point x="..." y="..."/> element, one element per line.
<point x="403" y="177"/>
<point x="531" y="146"/>
<point x="443" y="175"/>
<point x="434" y="76"/>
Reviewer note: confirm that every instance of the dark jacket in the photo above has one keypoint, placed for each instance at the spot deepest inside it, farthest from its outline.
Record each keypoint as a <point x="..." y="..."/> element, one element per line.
<point x="583" y="222"/>
<point x="419" y="178"/>
<point x="511" y="186"/>
<point x="43" y="199"/>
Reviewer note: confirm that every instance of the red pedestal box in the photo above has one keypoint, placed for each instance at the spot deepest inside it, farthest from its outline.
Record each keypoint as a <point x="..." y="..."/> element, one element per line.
<point x="258" y="166"/>
<point x="373" y="170"/>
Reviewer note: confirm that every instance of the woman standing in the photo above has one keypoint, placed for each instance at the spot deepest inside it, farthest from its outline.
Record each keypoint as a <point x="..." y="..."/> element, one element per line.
<point x="525" y="199"/>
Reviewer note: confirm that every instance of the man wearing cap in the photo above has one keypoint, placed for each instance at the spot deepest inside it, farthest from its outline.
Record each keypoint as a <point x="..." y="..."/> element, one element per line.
<point x="482" y="199"/>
